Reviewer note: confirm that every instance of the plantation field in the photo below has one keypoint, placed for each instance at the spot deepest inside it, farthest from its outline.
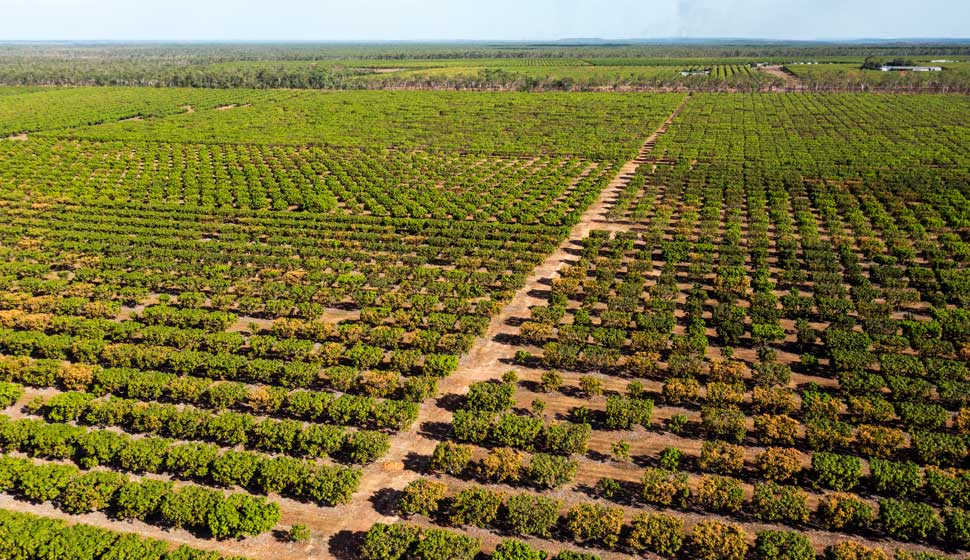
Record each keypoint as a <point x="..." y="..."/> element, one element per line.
<point x="546" y="189"/>
<point x="626" y="74"/>
<point x="601" y="126"/>
<point x="279" y="323"/>
<point x="26" y="110"/>
<point x="766" y="332"/>
<point x="851" y="76"/>
<point x="218" y="338"/>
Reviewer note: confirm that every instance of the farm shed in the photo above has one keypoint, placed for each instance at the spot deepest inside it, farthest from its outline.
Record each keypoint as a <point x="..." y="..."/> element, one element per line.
<point x="911" y="68"/>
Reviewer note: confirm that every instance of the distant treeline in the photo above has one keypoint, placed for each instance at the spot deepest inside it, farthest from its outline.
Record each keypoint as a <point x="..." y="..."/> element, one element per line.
<point x="155" y="73"/>
<point x="477" y="66"/>
<point x="229" y="52"/>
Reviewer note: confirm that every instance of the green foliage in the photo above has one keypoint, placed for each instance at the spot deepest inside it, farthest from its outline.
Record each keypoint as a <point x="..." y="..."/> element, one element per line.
<point x="572" y="555"/>
<point x="670" y="458"/>
<point x="909" y="520"/>
<point x="365" y="446"/>
<point x="957" y="523"/>
<point x="551" y="381"/>
<point x="720" y="493"/>
<point x="67" y="406"/>
<point x="440" y="544"/>
<point x="665" y="488"/>
<point x="490" y="397"/>
<point x="551" y="471"/>
<point x="851" y="550"/>
<point x="622" y="413"/>
<point x="10" y="393"/>
<point x="896" y="479"/>
<point x="531" y="515"/>
<point x="838" y="472"/>
<point x="566" y="438"/>
<point x="783" y="545"/>
<point x="451" y="458"/>
<point x="388" y="542"/>
<point x="140" y="500"/>
<point x="939" y="448"/>
<point x="658" y="533"/>
<point x="471" y="426"/>
<point x="421" y="496"/>
<point x="513" y="549"/>
<point x="774" y="502"/>
<point x="713" y="540"/>
<point x="520" y="432"/>
<point x="477" y="506"/>
<point x="593" y="523"/>
<point x="840" y="511"/>
<point x="299" y="533"/>
<point x="28" y="536"/>
<point x="240" y="515"/>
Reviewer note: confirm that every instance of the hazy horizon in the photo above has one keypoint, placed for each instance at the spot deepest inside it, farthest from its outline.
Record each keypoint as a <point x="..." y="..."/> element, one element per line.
<point x="592" y="41"/>
<point x="501" y="20"/>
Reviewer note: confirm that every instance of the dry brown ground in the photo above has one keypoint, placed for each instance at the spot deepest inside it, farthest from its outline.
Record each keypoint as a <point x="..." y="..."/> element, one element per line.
<point x="791" y="80"/>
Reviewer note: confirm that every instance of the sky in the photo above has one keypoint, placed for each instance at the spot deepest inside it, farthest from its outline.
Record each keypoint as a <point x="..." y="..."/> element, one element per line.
<point x="416" y="20"/>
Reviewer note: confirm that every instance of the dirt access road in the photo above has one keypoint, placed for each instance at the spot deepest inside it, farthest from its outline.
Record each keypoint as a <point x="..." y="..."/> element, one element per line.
<point x="791" y="80"/>
<point x="488" y="359"/>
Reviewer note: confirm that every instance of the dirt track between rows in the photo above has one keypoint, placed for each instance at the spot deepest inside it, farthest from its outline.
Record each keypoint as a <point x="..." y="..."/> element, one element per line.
<point x="791" y="80"/>
<point x="488" y="359"/>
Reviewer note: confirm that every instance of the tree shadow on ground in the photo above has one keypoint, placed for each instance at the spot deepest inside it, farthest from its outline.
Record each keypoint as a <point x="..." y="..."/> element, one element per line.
<point x="385" y="500"/>
<point x="345" y="545"/>
<point x="435" y="430"/>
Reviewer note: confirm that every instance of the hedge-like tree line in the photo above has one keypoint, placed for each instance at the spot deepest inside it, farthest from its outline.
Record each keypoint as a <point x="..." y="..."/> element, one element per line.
<point x="187" y="506"/>
<point x="201" y="462"/>
<point x="31" y="537"/>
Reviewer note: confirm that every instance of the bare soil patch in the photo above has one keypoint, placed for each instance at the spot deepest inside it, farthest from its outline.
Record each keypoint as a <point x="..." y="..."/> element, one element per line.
<point x="791" y="80"/>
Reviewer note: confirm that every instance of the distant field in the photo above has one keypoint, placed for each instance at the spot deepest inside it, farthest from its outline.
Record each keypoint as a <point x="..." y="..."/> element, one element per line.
<point x="730" y="76"/>
<point x="595" y="125"/>
<point x="851" y="76"/>
<point x="43" y="109"/>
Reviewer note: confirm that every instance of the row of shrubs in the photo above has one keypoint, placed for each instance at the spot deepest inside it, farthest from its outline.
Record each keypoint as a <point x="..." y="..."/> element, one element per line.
<point x="504" y="465"/>
<point x="658" y="534"/>
<point x="899" y="479"/>
<point x="773" y="502"/>
<point x="267" y="360"/>
<point x="31" y="537"/>
<point x="201" y="462"/>
<point x="396" y="542"/>
<point x="535" y="515"/>
<point x="192" y="507"/>
<point x="488" y="398"/>
<point x="305" y="404"/>
<point x="226" y="428"/>
<point x="302" y="404"/>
